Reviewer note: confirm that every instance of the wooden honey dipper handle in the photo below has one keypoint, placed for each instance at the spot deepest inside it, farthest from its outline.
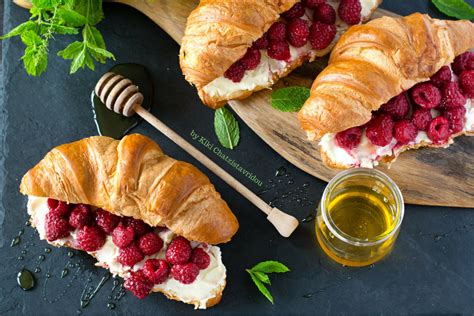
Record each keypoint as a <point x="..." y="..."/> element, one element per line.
<point x="284" y="223"/>
<point x="121" y="96"/>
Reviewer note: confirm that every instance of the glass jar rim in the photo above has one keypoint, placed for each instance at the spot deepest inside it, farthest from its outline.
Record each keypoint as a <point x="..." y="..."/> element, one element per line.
<point x="394" y="189"/>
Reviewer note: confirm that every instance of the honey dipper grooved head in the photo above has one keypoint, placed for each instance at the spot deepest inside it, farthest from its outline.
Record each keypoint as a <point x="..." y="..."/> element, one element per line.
<point x="118" y="94"/>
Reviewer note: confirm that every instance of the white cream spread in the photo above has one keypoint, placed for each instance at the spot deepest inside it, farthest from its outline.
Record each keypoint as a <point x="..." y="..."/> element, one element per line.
<point x="263" y="75"/>
<point x="207" y="284"/>
<point x="367" y="155"/>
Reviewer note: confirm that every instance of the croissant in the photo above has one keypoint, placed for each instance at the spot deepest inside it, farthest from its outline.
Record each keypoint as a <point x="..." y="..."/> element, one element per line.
<point x="135" y="181"/>
<point x="383" y="67"/>
<point x="227" y="54"/>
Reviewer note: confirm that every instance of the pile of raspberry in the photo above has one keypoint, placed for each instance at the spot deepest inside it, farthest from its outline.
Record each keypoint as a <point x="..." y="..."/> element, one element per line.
<point x="436" y="107"/>
<point x="135" y="240"/>
<point x="292" y="29"/>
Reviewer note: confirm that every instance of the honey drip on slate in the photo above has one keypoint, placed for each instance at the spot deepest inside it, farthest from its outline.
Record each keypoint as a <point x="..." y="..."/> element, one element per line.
<point x="115" y="125"/>
<point x="25" y="280"/>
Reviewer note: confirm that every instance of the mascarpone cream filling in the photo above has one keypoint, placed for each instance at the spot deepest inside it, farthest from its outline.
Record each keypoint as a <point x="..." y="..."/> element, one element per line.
<point x="208" y="283"/>
<point x="264" y="75"/>
<point x="367" y="154"/>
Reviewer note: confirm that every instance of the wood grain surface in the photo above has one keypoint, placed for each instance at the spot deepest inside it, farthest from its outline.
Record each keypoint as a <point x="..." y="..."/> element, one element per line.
<point x="426" y="176"/>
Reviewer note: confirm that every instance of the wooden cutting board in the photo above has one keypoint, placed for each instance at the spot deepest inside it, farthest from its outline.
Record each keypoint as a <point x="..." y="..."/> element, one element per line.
<point x="427" y="176"/>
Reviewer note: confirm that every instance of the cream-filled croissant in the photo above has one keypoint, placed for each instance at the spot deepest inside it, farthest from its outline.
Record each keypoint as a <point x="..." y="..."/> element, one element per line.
<point x="232" y="48"/>
<point x="144" y="216"/>
<point x="391" y="85"/>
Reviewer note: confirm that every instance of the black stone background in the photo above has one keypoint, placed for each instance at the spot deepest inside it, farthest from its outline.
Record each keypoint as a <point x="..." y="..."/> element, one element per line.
<point x="430" y="269"/>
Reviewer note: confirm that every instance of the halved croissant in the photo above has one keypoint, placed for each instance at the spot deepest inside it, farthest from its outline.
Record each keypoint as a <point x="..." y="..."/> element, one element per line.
<point x="375" y="62"/>
<point x="218" y="33"/>
<point x="133" y="177"/>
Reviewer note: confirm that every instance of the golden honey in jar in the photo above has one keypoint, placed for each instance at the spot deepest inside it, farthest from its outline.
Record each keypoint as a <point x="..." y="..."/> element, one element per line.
<point x="359" y="217"/>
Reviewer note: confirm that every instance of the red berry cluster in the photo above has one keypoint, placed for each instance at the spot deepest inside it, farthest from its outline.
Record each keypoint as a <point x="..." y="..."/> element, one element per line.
<point x="296" y="29"/>
<point x="182" y="263"/>
<point x="443" y="94"/>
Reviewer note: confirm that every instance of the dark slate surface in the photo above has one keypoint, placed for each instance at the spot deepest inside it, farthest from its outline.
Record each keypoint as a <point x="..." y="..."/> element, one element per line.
<point x="430" y="269"/>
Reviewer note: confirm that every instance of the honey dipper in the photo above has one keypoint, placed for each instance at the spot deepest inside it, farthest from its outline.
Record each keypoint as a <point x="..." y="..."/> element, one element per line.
<point x="120" y="95"/>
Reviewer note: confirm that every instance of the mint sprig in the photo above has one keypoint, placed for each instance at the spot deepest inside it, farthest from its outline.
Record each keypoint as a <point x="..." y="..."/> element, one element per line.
<point x="50" y="18"/>
<point x="259" y="275"/>
<point x="289" y="99"/>
<point x="226" y="128"/>
<point x="458" y="9"/>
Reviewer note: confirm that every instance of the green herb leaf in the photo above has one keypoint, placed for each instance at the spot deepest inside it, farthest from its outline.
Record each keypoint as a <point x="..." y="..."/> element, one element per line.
<point x="226" y="128"/>
<point x="20" y="29"/>
<point x="91" y="9"/>
<point x="270" y="267"/>
<point x="289" y="99"/>
<point x="455" y="8"/>
<point x="35" y="60"/>
<point x="71" y="17"/>
<point x="61" y="29"/>
<point x="262" y="277"/>
<point x="261" y="287"/>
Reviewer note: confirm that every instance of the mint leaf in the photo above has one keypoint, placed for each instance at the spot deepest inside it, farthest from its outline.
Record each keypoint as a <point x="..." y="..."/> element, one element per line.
<point x="226" y="128"/>
<point x="28" y="25"/>
<point x="71" y="17"/>
<point x="270" y="267"/>
<point x="290" y="99"/>
<point x="455" y="8"/>
<point x="91" y="9"/>
<point x="262" y="277"/>
<point x="262" y="288"/>
<point x="35" y="59"/>
<point x="71" y="50"/>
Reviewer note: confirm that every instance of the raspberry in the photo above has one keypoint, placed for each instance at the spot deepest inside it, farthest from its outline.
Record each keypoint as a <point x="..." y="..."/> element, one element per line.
<point x="421" y="118"/>
<point x="325" y="13"/>
<point x="156" y="270"/>
<point x="397" y="107"/>
<point x="63" y="209"/>
<point x="185" y="273"/>
<point x="200" y="258"/>
<point x="80" y="216"/>
<point x="321" y="35"/>
<point x="56" y="226"/>
<point x="456" y="118"/>
<point x="123" y="236"/>
<point x="179" y="251"/>
<point x="279" y="50"/>
<point x="452" y="96"/>
<point x="438" y="129"/>
<point x="313" y="4"/>
<point x="262" y="42"/>
<point x="404" y="132"/>
<point x="349" y="11"/>
<point x="277" y="31"/>
<point x="130" y="255"/>
<point x="235" y="72"/>
<point x="52" y="204"/>
<point x="150" y="243"/>
<point x="466" y="80"/>
<point x="463" y="62"/>
<point x="138" y="284"/>
<point x="90" y="238"/>
<point x="140" y="227"/>
<point x="441" y="77"/>
<point x="350" y="138"/>
<point x="380" y="130"/>
<point x="426" y="95"/>
<point x="251" y="59"/>
<point x="105" y="220"/>
<point x="298" y="32"/>
<point x="296" y="11"/>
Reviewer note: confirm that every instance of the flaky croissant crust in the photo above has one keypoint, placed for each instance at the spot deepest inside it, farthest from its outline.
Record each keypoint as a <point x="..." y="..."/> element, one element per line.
<point x="219" y="32"/>
<point x="133" y="177"/>
<point x="374" y="62"/>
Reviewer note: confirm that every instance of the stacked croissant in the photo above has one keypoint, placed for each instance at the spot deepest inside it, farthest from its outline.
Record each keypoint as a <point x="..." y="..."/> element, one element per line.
<point x="392" y="84"/>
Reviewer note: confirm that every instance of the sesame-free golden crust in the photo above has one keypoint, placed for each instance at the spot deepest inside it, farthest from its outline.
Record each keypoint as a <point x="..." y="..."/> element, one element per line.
<point x="375" y="62"/>
<point x="218" y="32"/>
<point x="133" y="177"/>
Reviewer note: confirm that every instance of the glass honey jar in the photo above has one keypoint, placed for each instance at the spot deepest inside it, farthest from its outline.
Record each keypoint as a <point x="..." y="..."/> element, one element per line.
<point x="359" y="217"/>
